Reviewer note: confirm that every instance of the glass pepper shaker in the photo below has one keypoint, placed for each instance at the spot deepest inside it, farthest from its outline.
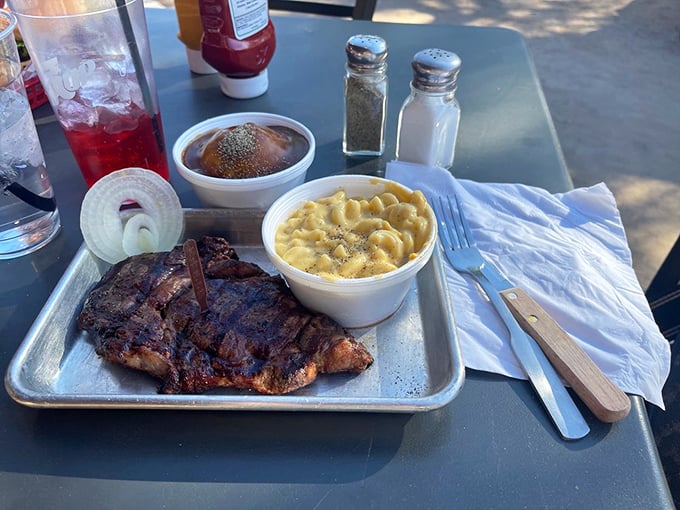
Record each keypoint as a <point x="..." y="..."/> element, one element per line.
<point x="365" y="96"/>
<point x="427" y="127"/>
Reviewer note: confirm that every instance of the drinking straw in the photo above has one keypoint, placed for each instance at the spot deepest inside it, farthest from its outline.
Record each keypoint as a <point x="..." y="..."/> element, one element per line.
<point x="139" y="69"/>
<point x="8" y="176"/>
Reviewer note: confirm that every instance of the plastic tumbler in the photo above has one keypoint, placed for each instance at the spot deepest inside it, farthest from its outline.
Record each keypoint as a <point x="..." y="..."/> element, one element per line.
<point x="29" y="218"/>
<point x="94" y="61"/>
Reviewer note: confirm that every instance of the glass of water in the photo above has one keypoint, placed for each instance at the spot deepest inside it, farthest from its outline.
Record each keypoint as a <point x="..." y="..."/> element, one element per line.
<point x="29" y="218"/>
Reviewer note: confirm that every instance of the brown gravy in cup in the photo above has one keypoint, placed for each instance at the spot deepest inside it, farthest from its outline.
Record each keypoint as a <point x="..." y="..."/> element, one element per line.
<point x="245" y="151"/>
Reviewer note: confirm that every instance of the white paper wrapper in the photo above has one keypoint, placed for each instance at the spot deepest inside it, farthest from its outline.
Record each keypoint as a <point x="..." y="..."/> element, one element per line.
<point x="569" y="252"/>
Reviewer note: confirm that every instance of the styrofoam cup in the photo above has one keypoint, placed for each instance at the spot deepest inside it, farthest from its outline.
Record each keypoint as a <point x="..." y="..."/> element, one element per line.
<point x="255" y="192"/>
<point x="352" y="302"/>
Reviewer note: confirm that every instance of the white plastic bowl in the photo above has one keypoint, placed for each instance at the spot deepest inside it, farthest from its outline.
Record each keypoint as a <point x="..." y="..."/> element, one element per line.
<point x="257" y="192"/>
<point x="352" y="302"/>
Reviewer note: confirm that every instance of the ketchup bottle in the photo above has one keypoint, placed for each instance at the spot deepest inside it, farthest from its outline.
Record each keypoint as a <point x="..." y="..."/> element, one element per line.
<point x="238" y="41"/>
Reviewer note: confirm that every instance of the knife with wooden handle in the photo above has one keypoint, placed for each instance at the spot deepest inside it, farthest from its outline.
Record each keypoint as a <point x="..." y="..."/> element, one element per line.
<point x="541" y="373"/>
<point x="607" y="402"/>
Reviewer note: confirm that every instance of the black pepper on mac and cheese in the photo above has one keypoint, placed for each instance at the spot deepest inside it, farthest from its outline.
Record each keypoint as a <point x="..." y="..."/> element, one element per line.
<point x="340" y="237"/>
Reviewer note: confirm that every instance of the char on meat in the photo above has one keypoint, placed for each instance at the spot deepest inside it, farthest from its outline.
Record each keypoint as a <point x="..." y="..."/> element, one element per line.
<point x="143" y="314"/>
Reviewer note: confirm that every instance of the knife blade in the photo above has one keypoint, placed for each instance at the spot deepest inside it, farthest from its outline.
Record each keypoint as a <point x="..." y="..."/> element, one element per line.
<point x="605" y="400"/>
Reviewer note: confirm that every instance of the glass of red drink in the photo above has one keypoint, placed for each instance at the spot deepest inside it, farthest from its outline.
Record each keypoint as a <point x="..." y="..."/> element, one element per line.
<point x="94" y="61"/>
<point x="103" y="148"/>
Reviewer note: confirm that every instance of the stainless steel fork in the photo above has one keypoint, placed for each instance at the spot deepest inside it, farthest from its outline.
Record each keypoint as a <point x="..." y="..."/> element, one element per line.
<point x="461" y="251"/>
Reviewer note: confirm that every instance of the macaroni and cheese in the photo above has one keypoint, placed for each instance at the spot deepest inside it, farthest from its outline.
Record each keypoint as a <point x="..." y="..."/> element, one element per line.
<point x="340" y="237"/>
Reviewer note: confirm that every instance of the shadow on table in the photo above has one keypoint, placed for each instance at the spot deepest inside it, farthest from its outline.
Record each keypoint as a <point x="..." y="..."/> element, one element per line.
<point x="530" y="404"/>
<point x="197" y="446"/>
<point x="280" y="447"/>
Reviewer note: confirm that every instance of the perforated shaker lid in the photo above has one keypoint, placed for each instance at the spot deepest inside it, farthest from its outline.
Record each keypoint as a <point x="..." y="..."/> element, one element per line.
<point x="435" y="70"/>
<point x="366" y="52"/>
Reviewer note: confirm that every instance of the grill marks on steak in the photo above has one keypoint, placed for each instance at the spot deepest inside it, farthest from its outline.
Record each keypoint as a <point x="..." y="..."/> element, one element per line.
<point x="143" y="314"/>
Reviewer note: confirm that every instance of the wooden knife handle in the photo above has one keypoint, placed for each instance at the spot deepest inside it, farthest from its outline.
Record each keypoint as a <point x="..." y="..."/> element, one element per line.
<point x="607" y="402"/>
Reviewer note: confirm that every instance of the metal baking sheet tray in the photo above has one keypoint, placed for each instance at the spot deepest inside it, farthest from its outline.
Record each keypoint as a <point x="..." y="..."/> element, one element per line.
<point x="418" y="365"/>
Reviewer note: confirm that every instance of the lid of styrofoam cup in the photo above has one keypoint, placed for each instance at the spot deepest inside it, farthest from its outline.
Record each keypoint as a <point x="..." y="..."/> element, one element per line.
<point x="244" y="88"/>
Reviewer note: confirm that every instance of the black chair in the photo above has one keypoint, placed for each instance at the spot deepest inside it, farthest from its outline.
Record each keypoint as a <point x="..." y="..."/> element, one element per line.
<point x="362" y="9"/>
<point x="663" y="295"/>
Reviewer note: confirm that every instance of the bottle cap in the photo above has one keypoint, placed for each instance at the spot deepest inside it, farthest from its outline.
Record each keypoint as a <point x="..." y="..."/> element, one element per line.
<point x="244" y="88"/>
<point x="197" y="64"/>
<point x="366" y="52"/>
<point x="435" y="70"/>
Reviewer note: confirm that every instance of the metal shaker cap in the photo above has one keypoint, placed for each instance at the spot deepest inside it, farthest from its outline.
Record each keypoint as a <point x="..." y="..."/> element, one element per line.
<point x="435" y="70"/>
<point x="366" y="52"/>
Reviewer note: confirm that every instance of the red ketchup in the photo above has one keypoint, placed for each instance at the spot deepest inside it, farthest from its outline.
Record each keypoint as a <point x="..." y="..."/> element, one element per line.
<point x="238" y="41"/>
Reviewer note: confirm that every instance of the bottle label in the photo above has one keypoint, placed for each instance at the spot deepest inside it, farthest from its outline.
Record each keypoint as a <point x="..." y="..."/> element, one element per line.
<point x="248" y="17"/>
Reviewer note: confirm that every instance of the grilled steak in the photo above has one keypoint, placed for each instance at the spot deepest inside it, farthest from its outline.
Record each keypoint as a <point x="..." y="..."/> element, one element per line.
<point x="143" y="314"/>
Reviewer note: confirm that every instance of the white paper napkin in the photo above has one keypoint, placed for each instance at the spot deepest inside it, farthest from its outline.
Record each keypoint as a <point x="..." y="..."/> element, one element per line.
<point x="569" y="252"/>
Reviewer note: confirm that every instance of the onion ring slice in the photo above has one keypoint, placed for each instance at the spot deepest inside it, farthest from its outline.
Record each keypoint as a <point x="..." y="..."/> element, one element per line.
<point x="113" y="235"/>
<point x="140" y="234"/>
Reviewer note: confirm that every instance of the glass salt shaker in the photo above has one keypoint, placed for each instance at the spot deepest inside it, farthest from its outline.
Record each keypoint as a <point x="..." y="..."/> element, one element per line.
<point x="428" y="121"/>
<point x="365" y="96"/>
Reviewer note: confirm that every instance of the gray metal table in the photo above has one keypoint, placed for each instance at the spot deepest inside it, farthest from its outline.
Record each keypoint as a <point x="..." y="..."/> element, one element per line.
<point x="492" y="447"/>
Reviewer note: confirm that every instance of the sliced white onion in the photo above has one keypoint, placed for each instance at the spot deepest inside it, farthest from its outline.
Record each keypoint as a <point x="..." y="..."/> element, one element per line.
<point x="113" y="236"/>
<point x="140" y="235"/>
